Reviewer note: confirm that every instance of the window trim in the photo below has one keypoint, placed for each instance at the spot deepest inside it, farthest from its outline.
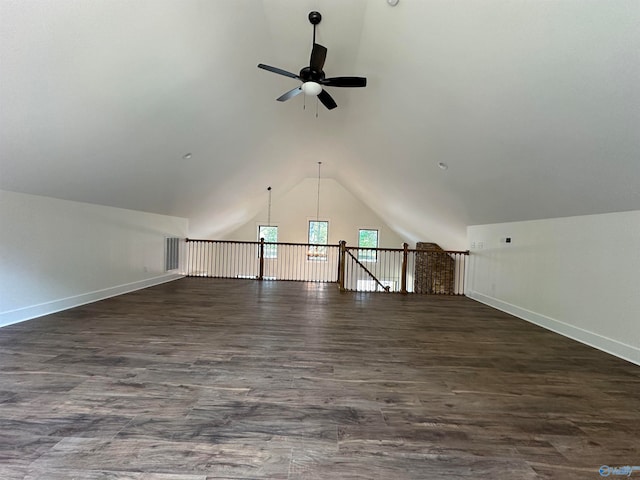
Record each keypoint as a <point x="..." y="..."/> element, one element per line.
<point x="269" y="248"/>
<point x="317" y="254"/>
<point x="369" y="258"/>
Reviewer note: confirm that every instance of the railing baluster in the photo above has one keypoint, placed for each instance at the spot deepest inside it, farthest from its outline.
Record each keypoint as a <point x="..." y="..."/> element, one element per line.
<point x="227" y="259"/>
<point x="366" y="269"/>
<point x="235" y="267"/>
<point x="261" y="256"/>
<point x="196" y="257"/>
<point x="188" y="257"/>
<point x="224" y="258"/>
<point x="203" y="258"/>
<point x="207" y="256"/>
<point x="209" y="259"/>
<point x="204" y="248"/>
<point x="405" y="255"/>
<point x="214" y="253"/>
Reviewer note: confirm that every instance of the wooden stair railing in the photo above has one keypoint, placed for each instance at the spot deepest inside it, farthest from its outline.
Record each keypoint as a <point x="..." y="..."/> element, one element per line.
<point x="344" y="252"/>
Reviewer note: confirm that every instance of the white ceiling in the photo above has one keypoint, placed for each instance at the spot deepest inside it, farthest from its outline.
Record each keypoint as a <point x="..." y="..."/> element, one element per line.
<point x="533" y="104"/>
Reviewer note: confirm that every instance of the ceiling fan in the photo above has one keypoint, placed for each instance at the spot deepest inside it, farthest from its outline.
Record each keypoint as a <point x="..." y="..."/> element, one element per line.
<point x="313" y="77"/>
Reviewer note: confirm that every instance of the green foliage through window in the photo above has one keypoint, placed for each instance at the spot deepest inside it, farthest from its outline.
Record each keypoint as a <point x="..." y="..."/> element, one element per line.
<point x="318" y="234"/>
<point x="270" y="235"/>
<point x="367" y="239"/>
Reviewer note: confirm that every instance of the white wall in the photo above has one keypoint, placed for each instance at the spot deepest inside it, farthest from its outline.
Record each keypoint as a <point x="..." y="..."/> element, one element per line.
<point x="56" y="254"/>
<point x="292" y="210"/>
<point x="578" y="276"/>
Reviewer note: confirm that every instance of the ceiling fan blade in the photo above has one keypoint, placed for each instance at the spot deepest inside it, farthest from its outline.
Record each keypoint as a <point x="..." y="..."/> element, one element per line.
<point x="327" y="100"/>
<point x="318" y="56"/>
<point x="344" y="82"/>
<point x="290" y="94"/>
<point x="279" y="71"/>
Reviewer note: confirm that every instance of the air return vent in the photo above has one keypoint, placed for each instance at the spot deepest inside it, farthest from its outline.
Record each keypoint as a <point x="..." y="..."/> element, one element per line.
<point x="172" y="253"/>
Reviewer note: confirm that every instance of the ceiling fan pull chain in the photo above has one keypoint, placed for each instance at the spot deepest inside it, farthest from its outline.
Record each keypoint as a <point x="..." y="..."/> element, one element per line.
<point x="317" y="101"/>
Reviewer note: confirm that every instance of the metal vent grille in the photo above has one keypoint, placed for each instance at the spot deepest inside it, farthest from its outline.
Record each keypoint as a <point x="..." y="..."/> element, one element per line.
<point x="172" y="253"/>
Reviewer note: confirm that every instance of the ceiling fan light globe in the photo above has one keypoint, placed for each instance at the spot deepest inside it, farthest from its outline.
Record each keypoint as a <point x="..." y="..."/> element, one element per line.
<point x="311" y="88"/>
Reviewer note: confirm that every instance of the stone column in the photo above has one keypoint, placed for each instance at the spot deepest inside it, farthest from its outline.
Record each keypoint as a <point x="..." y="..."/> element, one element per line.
<point x="434" y="270"/>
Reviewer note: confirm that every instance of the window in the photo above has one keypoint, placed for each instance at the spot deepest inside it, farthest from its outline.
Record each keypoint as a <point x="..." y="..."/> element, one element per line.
<point x="318" y="234"/>
<point x="367" y="239"/>
<point x="270" y="235"/>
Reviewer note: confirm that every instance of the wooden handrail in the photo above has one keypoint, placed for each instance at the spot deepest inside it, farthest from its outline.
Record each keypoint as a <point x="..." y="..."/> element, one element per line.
<point x="410" y="250"/>
<point x="266" y="243"/>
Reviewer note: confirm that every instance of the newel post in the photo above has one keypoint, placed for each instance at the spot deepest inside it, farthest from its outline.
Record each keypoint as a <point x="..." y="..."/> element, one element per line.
<point x="261" y="274"/>
<point x="405" y="256"/>
<point x="342" y="264"/>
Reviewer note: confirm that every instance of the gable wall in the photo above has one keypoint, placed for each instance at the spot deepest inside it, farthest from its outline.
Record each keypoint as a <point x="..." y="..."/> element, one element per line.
<point x="292" y="211"/>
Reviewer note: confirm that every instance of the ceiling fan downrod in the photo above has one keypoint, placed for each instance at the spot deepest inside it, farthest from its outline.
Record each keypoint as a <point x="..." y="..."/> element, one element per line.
<point x="315" y="18"/>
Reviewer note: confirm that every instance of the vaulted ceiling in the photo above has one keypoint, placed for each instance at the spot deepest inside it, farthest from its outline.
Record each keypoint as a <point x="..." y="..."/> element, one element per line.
<point x="534" y="105"/>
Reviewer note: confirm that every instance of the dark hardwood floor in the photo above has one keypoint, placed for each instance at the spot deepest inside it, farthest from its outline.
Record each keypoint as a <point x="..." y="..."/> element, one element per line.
<point x="201" y="379"/>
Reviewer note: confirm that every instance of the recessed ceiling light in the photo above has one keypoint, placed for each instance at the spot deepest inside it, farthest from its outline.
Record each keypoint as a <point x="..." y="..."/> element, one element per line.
<point x="393" y="3"/>
<point x="186" y="156"/>
<point x="443" y="166"/>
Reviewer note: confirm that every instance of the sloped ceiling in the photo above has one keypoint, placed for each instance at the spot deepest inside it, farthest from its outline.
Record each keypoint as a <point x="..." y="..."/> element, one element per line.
<point x="534" y="106"/>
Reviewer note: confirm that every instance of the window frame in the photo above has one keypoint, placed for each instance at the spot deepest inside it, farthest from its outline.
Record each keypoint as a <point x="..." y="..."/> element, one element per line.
<point x="317" y="253"/>
<point x="270" y="250"/>
<point x="373" y="256"/>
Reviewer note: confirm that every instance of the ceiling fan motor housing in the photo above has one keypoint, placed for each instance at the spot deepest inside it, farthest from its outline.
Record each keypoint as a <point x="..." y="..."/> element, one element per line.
<point x="308" y="75"/>
<point x="315" y="17"/>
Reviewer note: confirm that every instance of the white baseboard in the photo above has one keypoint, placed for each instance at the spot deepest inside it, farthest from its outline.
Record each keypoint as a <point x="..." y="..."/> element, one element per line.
<point x="33" y="311"/>
<point x="608" y="345"/>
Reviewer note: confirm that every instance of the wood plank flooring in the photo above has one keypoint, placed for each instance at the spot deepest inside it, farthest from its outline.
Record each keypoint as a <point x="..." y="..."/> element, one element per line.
<point x="207" y="379"/>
